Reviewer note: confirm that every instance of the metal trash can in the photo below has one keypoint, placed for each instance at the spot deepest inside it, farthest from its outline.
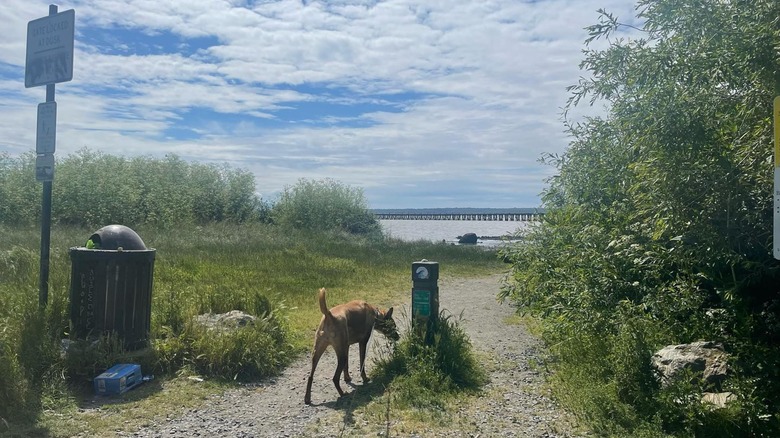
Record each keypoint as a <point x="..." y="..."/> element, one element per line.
<point x="111" y="287"/>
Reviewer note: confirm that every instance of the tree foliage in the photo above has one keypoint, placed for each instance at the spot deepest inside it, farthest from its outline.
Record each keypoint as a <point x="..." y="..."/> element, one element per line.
<point x="325" y="205"/>
<point x="95" y="189"/>
<point x="660" y="216"/>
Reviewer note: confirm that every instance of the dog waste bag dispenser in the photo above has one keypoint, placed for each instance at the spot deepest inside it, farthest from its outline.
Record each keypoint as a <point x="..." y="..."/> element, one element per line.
<point x="111" y="287"/>
<point x="425" y="292"/>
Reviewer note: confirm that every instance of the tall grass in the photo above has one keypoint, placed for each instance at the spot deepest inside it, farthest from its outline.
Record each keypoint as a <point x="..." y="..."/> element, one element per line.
<point x="217" y="251"/>
<point x="262" y="269"/>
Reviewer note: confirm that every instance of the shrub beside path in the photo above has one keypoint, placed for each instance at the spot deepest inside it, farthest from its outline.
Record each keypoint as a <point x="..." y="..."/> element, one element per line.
<point x="514" y="403"/>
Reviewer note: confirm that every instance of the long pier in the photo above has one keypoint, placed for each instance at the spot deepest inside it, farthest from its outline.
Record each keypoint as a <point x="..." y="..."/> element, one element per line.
<point x="460" y="216"/>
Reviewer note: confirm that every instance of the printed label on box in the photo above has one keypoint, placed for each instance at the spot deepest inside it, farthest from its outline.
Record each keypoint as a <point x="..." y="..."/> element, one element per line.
<point x="118" y="379"/>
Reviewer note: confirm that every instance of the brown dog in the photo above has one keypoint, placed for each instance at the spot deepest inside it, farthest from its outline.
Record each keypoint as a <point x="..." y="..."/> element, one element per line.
<point x="342" y="326"/>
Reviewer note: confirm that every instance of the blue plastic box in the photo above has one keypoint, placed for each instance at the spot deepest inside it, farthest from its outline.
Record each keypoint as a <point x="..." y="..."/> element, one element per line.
<point x="118" y="379"/>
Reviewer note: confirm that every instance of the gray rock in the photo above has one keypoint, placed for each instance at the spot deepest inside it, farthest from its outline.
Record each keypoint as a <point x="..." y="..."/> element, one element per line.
<point x="705" y="358"/>
<point x="223" y="321"/>
<point x="717" y="399"/>
<point x="468" y="238"/>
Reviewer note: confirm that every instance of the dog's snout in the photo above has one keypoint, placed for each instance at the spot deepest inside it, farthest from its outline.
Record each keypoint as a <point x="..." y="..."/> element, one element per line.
<point x="389" y="329"/>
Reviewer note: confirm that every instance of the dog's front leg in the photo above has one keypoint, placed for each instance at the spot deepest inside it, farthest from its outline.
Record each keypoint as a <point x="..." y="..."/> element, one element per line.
<point x="363" y="345"/>
<point x="347" y="377"/>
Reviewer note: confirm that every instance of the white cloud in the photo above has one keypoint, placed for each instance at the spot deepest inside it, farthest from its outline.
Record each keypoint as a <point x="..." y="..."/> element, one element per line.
<point x="478" y="88"/>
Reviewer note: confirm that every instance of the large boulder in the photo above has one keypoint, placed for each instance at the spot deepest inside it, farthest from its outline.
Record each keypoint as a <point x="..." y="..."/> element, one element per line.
<point x="468" y="238"/>
<point x="706" y="359"/>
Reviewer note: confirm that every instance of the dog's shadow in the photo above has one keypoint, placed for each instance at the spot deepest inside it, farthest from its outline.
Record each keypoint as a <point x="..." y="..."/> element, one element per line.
<point x="360" y="396"/>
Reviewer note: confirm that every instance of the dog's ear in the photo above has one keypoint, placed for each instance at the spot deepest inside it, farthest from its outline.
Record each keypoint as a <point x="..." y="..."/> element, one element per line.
<point x="389" y="313"/>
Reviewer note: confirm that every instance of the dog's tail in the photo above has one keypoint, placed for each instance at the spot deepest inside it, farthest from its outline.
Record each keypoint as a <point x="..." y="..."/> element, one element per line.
<point x="323" y="306"/>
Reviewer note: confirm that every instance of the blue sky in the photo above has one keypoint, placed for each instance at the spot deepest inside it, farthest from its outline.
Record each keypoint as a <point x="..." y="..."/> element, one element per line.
<point x="421" y="103"/>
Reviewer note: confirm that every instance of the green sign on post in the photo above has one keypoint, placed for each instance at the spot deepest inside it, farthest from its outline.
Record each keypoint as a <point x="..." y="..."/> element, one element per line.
<point x="421" y="303"/>
<point x="425" y="297"/>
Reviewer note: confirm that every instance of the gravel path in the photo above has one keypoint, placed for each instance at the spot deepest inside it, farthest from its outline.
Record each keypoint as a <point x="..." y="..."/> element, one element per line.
<point x="513" y="404"/>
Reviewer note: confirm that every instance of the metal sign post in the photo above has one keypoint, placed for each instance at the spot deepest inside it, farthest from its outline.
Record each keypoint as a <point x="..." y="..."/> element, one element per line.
<point x="425" y="297"/>
<point x="49" y="60"/>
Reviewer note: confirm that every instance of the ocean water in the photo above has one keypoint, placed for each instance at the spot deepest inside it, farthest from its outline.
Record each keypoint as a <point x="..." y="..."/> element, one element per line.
<point x="448" y="231"/>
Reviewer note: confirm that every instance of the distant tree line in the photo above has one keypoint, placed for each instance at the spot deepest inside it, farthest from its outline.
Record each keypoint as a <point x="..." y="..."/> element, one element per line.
<point x="93" y="189"/>
<point x="458" y="210"/>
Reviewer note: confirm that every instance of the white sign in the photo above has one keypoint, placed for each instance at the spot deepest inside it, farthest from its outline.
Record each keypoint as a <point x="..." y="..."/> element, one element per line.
<point x="776" y="245"/>
<point x="46" y="139"/>
<point x="50" y="49"/>
<point x="776" y="236"/>
<point x="44" y="167"/>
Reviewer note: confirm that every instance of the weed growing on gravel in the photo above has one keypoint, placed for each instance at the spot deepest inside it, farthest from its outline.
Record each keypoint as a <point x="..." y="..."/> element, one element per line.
<point x="426" y="376"/>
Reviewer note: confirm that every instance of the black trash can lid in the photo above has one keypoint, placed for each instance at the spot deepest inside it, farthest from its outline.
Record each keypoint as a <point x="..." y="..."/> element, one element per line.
<point x="113" y="237"/>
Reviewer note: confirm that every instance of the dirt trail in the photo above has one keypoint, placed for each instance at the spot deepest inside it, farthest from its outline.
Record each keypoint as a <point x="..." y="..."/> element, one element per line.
<point x="513" y="405"/>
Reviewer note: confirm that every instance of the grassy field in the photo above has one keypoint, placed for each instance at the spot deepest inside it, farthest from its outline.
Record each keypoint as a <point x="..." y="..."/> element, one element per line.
<point x="212" y="269"/>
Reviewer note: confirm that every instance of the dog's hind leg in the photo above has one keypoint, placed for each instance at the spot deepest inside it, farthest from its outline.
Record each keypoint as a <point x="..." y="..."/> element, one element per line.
<point x="319" y="348"/>
<point x="342" y="353"/>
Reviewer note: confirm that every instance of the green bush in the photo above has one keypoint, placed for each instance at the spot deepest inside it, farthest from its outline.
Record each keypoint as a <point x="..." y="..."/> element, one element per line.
<point x="425" y="374"/>
<point x="658" y="223"/>
<point x="325" y="205"/>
